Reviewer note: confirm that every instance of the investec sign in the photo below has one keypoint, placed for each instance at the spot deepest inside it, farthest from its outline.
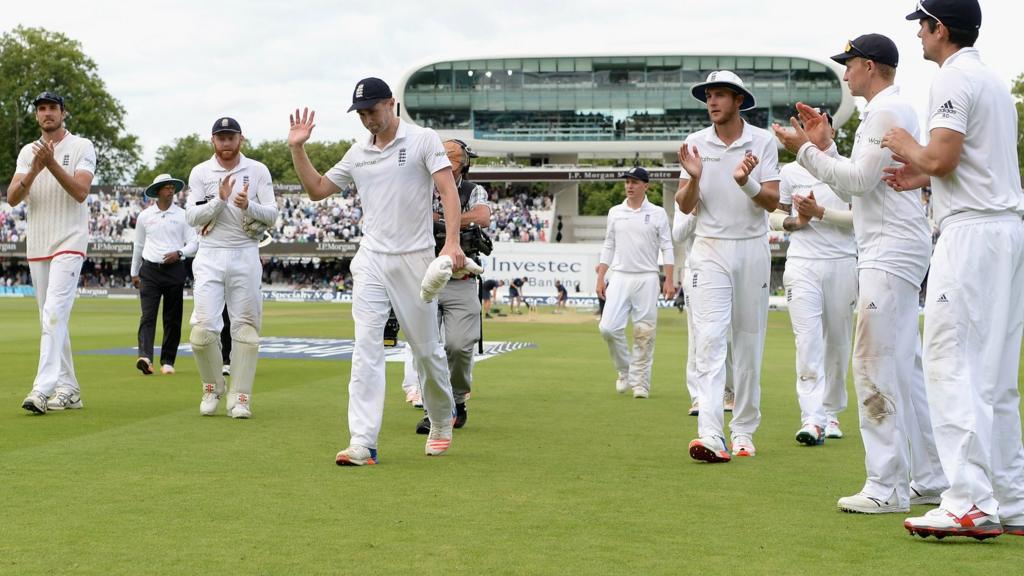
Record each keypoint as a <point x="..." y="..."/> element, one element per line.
<point x="542" y="263"/>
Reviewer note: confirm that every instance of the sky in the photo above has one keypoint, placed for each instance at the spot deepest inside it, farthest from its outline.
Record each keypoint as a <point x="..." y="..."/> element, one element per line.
<point x="178" y="66"/>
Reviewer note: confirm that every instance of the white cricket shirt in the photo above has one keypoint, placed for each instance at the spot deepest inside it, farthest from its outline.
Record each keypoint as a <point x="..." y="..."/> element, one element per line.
<point x="395" y="186"/>
<point x="891" y="227"/>
<point x="968" y="97"/>
<point x="725" y="210"/>
<point x="683" y="228"/>
<point x="818" y="240"/>
<point x="57" y="223"/>
<point x="634" y="237"/>
<point x="222" y="220"/>
<point x="158" y="232"/>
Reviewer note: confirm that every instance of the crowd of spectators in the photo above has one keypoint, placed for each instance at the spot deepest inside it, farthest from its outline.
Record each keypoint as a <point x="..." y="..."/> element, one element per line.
<point x="333" y="219"/>
<point x="515" y="214"/>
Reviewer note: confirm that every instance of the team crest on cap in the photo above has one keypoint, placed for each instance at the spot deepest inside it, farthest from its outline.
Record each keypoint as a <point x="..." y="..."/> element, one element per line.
<point x="223" y="122"/>
<point x="713" y="77"/>
<point x="359" y="91"/>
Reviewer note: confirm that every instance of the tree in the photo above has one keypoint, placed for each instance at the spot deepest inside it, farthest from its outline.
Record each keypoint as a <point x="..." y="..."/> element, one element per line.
<point x="1018" y="96"/>
<point x="597" y="198"/>
<point x="178" y="158"/>
<point x="33" y="60"/>
<point x="846" y="133"/>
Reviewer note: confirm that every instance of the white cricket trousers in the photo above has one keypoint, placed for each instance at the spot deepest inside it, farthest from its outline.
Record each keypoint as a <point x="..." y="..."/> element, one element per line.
<point x="691" y="345"/>
<point x="632" y="296"/>
<point x="821" y="295"/>
<point x="56" y="285"/>
<point x="899" y="446"/>
<point x="972" y="329"/>
<point x="231" y="276"/>
<point x="382" y="281"/>
<point x="729" y="280"/>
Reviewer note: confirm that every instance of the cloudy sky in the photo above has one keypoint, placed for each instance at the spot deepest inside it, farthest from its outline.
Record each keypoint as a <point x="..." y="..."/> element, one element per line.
<point x="177" y="66"/>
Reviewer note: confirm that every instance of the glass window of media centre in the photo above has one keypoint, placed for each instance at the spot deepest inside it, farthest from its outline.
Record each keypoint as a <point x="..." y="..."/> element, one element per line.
<point x="606" y="98"/>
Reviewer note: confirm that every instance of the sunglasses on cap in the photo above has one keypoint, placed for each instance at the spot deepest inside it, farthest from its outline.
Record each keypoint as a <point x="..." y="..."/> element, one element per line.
<point x="920" y="6"/>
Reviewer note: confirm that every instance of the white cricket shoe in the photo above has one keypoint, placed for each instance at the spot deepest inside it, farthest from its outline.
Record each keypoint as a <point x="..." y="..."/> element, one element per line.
<point x="144" y="365"/>
<point x="710" y="449"/>
<point x="917" y="497"/>
<point x="694" y="408"/>
<point x="35" y="402"/>
<point x="743" y="445"/>
<point x="811" y="435"/>
<point x="211" y="400"/>
<point x="861" y="503"/>
<point x="440" y="438"/>
<point x="238" y="406"/>
<point x="640" y="392"/>
<point x="65" y="400"/>
<point x="415" y="398"/>
<point x="225" y="370"/>
<point x="167" y="369"/>
<point x="832" y="429"/>
<point x="356" y="455"/>
<point x="941" y="523"/>
<point x="622" y="383"/>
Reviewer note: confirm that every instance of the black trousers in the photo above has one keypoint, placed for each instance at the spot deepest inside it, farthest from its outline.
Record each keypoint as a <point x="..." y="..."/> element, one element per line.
<point x="166" y="282"/>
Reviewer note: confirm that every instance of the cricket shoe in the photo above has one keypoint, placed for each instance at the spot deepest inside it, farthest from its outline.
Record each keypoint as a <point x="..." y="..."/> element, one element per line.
<point x="211" y="400"/>
<point x="64" y="400"/>
<point x="440" y="438"/>
<point x="225" y="370"/>
<point x="917" y="497"/>
<point x="167" y="369"/>
<point x="145" y="365"/>
<point x="238" y="406"/>
<point x="356" y="455"/>
<point x="811" y="435"/>
<point x="641" y="392"/>
<point x="423" y="426"/>
<point x="729" y="400"/>
<point x="1014" y="526"/>
<point x="35" y="402"/>
<point x="622" y="383"/>
<point x="941" y="523"/>
<point x="461" y="415"/>
<point x="412" y="396"/>
<point x="710" y="449"/>
<point x="743" y="445"/>
<point x="832" y="429"/>
<point x="861" y="503"/>
<point x="694" y="409"/>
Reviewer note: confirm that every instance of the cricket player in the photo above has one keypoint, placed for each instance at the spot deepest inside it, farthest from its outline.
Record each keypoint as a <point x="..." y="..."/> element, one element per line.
<point x="975" y="305"/>
<point x="395" y="170"/>
<point x="163" y="239"/>
<point x="821" y="291"/>
<point x="637" y="232"/>
<point x="730" y="170"/>
<point x="683" y="227"/>
<point x="231" y="201"/>
<point x="53" y="175"/>
<point x="893" y="242"/>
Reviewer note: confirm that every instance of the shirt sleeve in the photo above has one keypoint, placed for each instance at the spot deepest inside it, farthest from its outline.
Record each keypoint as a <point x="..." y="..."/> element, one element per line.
<point x="478" y="197"/>
<point x="786" y="186"/>
<point x="683" y="226"/>
<point x="341" y="173"/>
<point x="668" y="251"/>
<point x="608" y="249"/>
<point x="952" y="98"/>
<point x="197" y="214"/>
<point x="191" y="242"/>
<point x="140" y="243"/>
<point x="263" y="205"/>
<point x="434" y="156"/>
<point x="88" y="160"/>
<point x="769" y="164"/>
<point x="862" y="172"/>
<point x="24" y="165"/>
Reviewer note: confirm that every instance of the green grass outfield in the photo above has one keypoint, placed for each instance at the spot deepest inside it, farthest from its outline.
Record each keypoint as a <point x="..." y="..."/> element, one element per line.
<point x="554" y="473"/>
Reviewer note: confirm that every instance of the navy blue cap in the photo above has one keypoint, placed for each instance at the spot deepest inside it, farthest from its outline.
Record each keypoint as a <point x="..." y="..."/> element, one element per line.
<point x="226" y="124"/>
<point x="49" y="97"/>
<point x="870" y="47"/>
<point x="368" y="92"/>
<point x="638" y="173"/>
<point x="959" y="14"/>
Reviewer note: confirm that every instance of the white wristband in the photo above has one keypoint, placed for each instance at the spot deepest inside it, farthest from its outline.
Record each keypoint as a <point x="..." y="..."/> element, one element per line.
<point x="751" y="188"/>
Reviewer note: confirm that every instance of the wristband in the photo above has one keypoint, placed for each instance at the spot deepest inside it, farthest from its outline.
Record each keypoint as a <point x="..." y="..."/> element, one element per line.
<point x="751" y="188"/>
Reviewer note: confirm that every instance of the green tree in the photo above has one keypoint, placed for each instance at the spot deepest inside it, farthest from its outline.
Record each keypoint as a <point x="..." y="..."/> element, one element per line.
<point x="33" y="60"/>
<point x="179" y="157"/>
<point x="597" y="198"/>
<point x="845" y="134"/>
<point x="1018" y="96"/>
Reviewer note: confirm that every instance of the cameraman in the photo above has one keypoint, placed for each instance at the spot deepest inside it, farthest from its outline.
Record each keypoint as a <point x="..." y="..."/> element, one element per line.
<point x="459" y="301"/>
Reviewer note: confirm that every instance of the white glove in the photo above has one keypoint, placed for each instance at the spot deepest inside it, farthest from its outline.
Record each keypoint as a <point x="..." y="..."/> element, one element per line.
<point x="440" y="271"/>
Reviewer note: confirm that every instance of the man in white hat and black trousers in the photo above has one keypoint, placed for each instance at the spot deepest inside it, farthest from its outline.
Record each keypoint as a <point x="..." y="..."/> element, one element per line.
<point x="231" y="201"/>
<point x="395" y="168"/>
<point x="730" y="169"/>
<point x="163" y="239"/>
